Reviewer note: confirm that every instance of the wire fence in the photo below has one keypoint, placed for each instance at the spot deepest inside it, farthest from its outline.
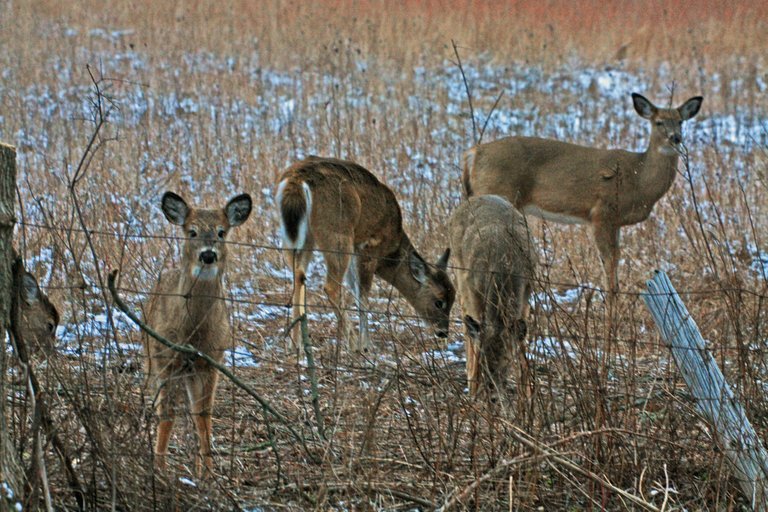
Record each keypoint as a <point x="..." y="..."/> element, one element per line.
<point x="545" y="300"/>
<point x="538" y="280"/>
<point x="401" y="412"/>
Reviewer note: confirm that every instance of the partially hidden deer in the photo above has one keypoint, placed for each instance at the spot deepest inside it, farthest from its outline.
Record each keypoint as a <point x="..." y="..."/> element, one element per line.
<point x="38" y="317"/>
<point x="562" y="182"/>
<point x="344" y="211"/>
<point x="495" y="264"/>
<point x="187" y="307"/>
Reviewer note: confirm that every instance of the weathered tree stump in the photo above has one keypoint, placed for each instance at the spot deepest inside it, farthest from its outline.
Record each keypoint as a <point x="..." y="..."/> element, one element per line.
<point x="11" y="473"/>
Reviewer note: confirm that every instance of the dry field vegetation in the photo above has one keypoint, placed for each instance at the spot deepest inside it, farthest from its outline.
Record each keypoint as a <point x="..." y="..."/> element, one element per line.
<point x="210" y="99"/>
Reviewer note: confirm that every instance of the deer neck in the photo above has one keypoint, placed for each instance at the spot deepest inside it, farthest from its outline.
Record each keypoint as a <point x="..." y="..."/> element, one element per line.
<point x="657" y="169"/>
<point x="395" y="269"/>
<point x="200" y="295"/>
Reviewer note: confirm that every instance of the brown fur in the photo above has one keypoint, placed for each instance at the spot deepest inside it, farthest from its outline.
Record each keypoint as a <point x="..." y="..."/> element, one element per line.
<point x="495" y="264"/>
<point x="355" y="220"/>
<point x="189" y="310"/>
<point x="38" y="317"/>
<point x="568" y="183"/>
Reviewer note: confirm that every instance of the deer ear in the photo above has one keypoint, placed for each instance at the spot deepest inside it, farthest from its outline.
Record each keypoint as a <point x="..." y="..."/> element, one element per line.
<point x="31" y="290"/>
<point x="473" y="328"/>
<point x="690" y="108"/>
<point x="174" y="208"/>
<point x="645" y="108"/>
<point x="238" y="209"/>
<point x="418" y="267"/>
<point x="442" y="263"/>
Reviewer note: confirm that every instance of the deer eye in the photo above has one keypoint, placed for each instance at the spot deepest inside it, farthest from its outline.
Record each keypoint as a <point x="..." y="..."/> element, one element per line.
<point x="51" y="327"/>
<point x="439" y="304"/>
<point x="222" y="233"/>
<point x="659" y="123"/>
<point x="192" y="233"/>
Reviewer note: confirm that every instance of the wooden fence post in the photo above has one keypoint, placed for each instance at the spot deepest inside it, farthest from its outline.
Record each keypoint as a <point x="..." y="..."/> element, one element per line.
<point x="11" y="473"/>
<point x="728" y="423"/>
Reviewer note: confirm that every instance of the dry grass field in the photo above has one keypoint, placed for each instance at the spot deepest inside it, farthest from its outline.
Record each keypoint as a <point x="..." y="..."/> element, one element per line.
<point x="213" y="98"/>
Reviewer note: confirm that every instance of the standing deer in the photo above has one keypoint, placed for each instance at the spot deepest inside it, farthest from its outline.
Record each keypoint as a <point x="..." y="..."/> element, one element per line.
<point x="606" y="188"/>
<point x="494" y="264"/>
<point x="341" y="209"/>
<point x="187" y="307"/>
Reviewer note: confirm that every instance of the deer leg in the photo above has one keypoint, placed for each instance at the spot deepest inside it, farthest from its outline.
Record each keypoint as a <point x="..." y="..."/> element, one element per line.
<point x="471" y="306"/>
<point x="495" y="355"/>
<point x="360" y="285"/>
<point x="298" y="261"/>
<point x="165" y="408"/>
<point x="337" y="259"/>
<point x="201" y="388"/>
<point x="607" y="240"/>
<point x="473" y="355"/>
<point x="472" y="335"/>
<point x="162" y="377"/>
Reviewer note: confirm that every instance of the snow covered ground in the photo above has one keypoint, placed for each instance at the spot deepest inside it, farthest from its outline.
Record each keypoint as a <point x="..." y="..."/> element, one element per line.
<point x="593" y="107"/>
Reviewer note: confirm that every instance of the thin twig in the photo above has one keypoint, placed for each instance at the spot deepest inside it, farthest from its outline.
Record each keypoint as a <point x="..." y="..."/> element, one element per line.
<point x="312" y="376"/>
<point x="461" y="496"/>
<point x="369" y="488"/>
<point x="101" y="117"/>
<point x="477" y="136"/>
<point x="40" y="406"/>
<point x="488" y="117"/>
<point x="466" y="88"/>
<point x="553" y="456"/>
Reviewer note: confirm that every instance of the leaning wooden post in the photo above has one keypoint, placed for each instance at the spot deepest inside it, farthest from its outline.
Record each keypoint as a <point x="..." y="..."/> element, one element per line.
<point x="10" y="471"/>
<point x="715" y="400"/>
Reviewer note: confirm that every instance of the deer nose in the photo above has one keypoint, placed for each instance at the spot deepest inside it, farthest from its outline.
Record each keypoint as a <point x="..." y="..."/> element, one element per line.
<point x="441" y="334"/>
<point x="208" y="257"/>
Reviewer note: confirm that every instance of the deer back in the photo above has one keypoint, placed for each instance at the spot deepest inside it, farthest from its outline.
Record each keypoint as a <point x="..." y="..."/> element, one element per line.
<point x="572" y="184"/>
<point x="346" y="198"/>
<point x="494" y="261"/>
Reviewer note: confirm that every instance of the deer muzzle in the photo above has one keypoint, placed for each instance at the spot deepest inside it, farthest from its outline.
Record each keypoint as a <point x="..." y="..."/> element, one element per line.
<point x="208" y="257"/>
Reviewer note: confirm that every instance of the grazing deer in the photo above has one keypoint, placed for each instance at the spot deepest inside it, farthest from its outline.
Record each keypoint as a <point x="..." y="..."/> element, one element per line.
<point x="494" y="262"/>
<point x="341" y="209"/>
<point x="606" y="188"/>
<point x="187" y="307"/>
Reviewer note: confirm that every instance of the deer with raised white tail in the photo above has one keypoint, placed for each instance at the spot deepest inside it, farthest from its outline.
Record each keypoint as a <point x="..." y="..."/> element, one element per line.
<point x="562" y="182"/>
<point x="187" y="307"/>
<point x="343" y="210"/>
<point x="495" y="263"/>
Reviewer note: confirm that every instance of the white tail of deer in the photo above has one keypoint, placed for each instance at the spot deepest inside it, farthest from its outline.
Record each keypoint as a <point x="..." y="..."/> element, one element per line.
<point x="495" y="264"/>
<point x="341" y="209"/>
<point x="187" y="307"/>
<point x="567" y="183"/>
